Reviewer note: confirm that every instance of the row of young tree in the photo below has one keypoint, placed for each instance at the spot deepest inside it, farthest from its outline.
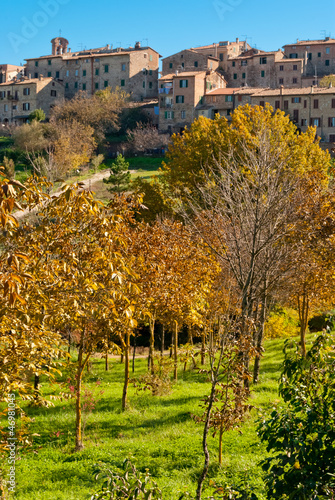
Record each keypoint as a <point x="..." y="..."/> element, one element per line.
<point x="246" y="221"/>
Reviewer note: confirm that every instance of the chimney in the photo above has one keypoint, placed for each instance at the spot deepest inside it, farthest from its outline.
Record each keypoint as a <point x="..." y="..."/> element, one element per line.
<point x="137" y="45"/>
<point x="177" y="72"/>
<point x="237" y="40"/>
<point x="69" y="50"/>
<point x="29" y="76"/>
<point x="40" y="77"/>
<point x="312" y="89"/>
<point x="330" y="85"/>
<point x="281" y="89"/>
<point x="107" y="46"/>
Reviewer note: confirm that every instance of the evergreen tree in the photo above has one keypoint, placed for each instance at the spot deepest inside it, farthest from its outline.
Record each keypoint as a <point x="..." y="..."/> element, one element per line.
<point x="119" y="176"/>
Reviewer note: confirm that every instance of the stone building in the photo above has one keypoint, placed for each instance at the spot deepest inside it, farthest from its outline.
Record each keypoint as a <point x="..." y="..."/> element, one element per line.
<point x="9" y="71"/>
<point x="134" y="70"/>
<point x="224" y="101"/>
<point x="318" y="56"/>
<point x="181" y="93"/>
<point x="224" y="51"/>
<point x="188" y="60"/>
<point x="19" y="98"/>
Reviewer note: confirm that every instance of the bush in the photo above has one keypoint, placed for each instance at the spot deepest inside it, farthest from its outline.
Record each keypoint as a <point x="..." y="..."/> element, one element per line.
<point x="322" y="321"/>
<point x="282" y="323"/>
<point x="302" y="434"/>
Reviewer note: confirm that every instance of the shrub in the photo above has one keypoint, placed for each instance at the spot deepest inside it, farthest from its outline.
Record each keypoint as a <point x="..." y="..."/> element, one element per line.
<point x="302" y="434"/>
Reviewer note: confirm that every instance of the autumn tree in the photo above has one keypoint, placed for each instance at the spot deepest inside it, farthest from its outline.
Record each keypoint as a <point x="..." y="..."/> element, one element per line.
<point x="327" y="81"/>
<point x="246" y="200"/>
<point x="145" y="137"/>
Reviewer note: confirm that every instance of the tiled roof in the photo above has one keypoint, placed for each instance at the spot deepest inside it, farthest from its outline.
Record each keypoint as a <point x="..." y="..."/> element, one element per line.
<point x="301" y="91"/>
<point x="225" y="91"/>
<point x="183" y="74"/>
<point x="103" y="52"/>
<point x="27" y="81"/>
<point x="310" y="42"/>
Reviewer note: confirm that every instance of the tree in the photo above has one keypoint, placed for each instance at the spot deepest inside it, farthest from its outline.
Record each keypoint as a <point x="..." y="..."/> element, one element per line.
<point x="146" y="137"/>
<point x="37" y="115"/>
<point x="119" y="176"/>
<point x="327" y="81"/>
<point x="301" y="435"/>
<point x="246" y="200"/>
<point x="100" y="111"/>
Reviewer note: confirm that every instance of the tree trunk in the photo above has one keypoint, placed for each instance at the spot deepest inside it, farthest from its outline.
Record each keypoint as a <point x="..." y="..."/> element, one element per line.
<point x="303" y="318"/>
<point x="152" y="345"/>
<point x="134" y="354"/>
<point x="175" y="351"/>
<point x="220" y="442"/>
<point x="126" y="372"/>
<point x="106" y="360"/>
<point x="190" y="335"/>
<point x="79" y="442"/>
<point x="163" y="340"/>
<point x="259" y="340"/>
<point x="36" y="389"/>
<point x="204" y="442"/>
<point x="203" y="346"/>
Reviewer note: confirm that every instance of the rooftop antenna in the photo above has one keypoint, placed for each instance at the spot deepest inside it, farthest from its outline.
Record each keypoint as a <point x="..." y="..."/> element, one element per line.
<point x="60" y="32"/>
<point x="80" y="45"/>
<point x="118" y="44"/>
<point x="323" y="33"/>
<point x="146" y="39"/>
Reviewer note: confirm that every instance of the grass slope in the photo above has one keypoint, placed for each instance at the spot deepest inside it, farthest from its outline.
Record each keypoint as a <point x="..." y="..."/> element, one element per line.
<point x="158" y="432"/>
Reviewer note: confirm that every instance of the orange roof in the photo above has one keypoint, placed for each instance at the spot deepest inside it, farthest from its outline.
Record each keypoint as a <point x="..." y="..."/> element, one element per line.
<point x="310" y="42"/>
<point x="224" y="91"/>
<point x="183" y="74"/>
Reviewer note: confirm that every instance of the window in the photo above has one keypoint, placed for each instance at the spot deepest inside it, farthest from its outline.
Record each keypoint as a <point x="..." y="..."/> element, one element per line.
<point x="96" y="71"/>
<point x="319" y="54"/>
<point x="171" y="65"/>
<point x="333" y="103"/>
<point x="150" y="72"/>
<point x="281" y="68"/>
<point x="36" y="64"/>
<point x="281" y="81"/>
<point x="87" y="60"/>
<point x="327" y="62"/>
<point x="97" y="59"/>
<point x="75" y="85"/>
<point x="183" y="65"/>
<point x="331" y="122"/>
<point x="243" y="75"/>
<point x="235" y="76"/>
<point x="36" y="75"/>
<point x="183" y="84"/>
<point x="49" y="62"/>
<point x="233" y="64"/>
<point x="106" y="83"/>
<point x="143" y="84"/>
<point x="229" y="98"/>
<point x="295" y="67"/>
<point x="239" y="98"/>
<point x="304" y="122"/>
<point x="296" y="115"/>
<point x="14" y="107"/>
<point x="244" y="63"/>
<point x="285" y="104"/>
<point x="49" y="74"/>
<point x="262" y="74"/>
<point x="57" y="74"/>
<point x="196" y="64"/>
<point x="150" y="85"/>
<point x="67" y="73"/>
<point x="53" y="93"/>
<point x="305" y="103"/>
<point x="327" y="50"/>
<point x="5" y="107"/>
<point x="262" y="60"/>
<point x="123" y="67"/>
<point x="96" y="86"/>
<point x="294" y="80"/>
<point x="183" y="115"/>
<point x="67" y="85"/>
<point x="169" y="115"/>
<point x="179" y="99"/>
<point x="150" y="57"/>
<point x="262" y="103"/>
<point x="293" y="56"/>
<point x="315" y="122"/>
<point x="221" y="57"/>
<point x="123" y="83"/>
<point x="26" y="106"/>
<point x="76" y="72"/>
<point x="332" y="138"/>
<point x="309" y="56"/>
<point x="316" y="103"/>
<point x="84" y="72"/>
<point x="277" y="104"/>
<point x="228" y="112"/>
<point x="106" y="68"/>
<point x="84" y="86"/>
<point x="26" y="91"/>
<point x="296" y="99"/>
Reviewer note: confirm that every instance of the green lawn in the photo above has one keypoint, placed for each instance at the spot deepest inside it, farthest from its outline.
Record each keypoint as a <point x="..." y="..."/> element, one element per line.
<point x="158" y="432"/>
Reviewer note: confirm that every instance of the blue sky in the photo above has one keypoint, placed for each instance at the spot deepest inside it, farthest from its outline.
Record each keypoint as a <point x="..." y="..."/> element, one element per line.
<point x="170" y="26"/>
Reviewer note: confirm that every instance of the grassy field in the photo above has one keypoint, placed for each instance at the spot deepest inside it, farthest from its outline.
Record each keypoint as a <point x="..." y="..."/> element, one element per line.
<point x="158" y="432"/>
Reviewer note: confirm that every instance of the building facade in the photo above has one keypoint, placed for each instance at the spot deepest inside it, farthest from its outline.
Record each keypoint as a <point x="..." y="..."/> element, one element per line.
<point x="318" y="56"/>
<point x="134" y="70"/>
<point x="19" y="98"/>
<point x="9" y="72"/>
<point x="188" y="60"/>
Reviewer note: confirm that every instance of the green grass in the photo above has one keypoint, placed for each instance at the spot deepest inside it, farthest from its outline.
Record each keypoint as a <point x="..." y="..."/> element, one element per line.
<point x="158" y="432"/>
<point x="148" y="163"/>
<point x="5" y="142"/>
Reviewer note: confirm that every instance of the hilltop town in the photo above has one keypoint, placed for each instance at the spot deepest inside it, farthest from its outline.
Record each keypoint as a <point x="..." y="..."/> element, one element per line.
<point x="199" y="81"/>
